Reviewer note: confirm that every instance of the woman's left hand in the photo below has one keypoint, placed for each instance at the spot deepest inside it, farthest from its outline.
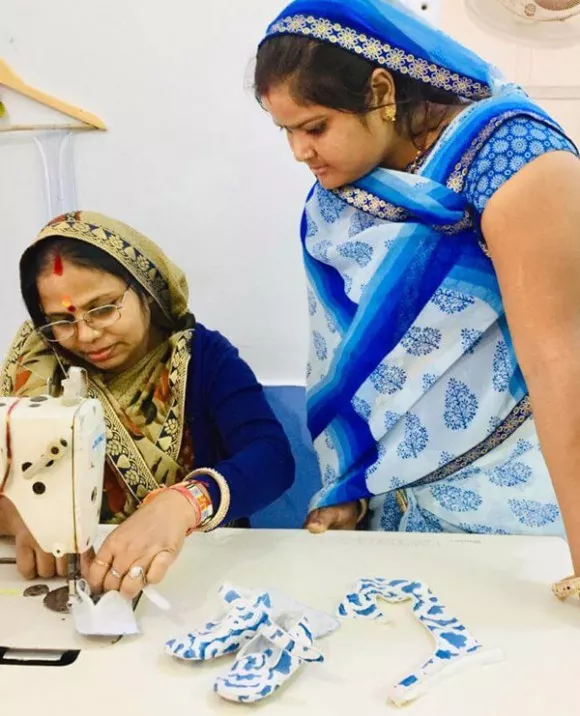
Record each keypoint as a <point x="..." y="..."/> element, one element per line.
<point x="150" y="540"/>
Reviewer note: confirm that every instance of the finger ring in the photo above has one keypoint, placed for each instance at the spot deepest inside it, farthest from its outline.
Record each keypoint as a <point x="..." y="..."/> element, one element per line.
<point x="137" y="572"/>
<point x="114" y="573"/>
<point x="102" y="564"/>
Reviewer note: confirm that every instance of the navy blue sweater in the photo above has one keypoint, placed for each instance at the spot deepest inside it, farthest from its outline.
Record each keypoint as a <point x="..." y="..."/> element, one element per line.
<point x="233" y="428"/>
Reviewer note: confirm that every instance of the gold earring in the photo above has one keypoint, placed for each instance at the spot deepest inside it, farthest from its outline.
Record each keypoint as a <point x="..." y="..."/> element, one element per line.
<point x="390" y="113"/>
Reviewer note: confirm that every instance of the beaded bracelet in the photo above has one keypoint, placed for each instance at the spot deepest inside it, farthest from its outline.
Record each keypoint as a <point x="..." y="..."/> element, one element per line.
<point x="194" y="501"/>
<point x="194" y="495"/>
<point x="569" y="587"/>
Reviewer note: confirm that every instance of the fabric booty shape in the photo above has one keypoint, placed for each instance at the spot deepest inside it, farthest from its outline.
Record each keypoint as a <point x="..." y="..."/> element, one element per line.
<point x="243" y="613"/>
<point x="455" y="648"/>
<point x="269" y="660"/>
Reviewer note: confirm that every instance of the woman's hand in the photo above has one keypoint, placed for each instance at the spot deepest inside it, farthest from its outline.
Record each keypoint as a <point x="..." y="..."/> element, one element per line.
<point x="150" y="540"/>
<point x="31" y="560"/>
<point x="337" y="517"/>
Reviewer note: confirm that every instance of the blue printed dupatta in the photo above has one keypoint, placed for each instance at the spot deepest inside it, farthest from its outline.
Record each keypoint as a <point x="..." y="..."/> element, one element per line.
<point x="411" y="357"/>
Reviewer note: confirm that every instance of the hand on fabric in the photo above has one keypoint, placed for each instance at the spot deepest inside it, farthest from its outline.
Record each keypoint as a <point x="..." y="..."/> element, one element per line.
<point x="31" y="560"/>
<point x="150" y="539"/>
<point x="337" y="517"/>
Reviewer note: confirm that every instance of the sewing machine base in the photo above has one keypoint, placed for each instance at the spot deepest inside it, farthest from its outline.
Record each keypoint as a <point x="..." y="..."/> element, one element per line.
<point x="37" y="657"/>
<point x="26" y="625"/>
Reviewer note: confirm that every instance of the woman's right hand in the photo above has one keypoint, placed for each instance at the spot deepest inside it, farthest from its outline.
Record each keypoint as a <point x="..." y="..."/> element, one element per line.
<point x="31" y="560"/>
<point x="337" y="517"/>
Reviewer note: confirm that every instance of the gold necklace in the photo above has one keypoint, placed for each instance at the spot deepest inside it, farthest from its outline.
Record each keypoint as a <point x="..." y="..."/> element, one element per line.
<point x="423" y="152"/>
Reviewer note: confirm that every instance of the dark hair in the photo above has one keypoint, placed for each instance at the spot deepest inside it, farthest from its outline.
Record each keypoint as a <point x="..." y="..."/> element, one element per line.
<point x="40" y="258"/>
<point x="324" y="74"/>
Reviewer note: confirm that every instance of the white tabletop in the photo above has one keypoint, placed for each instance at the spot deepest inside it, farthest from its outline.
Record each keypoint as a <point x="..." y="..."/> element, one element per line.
<point x="498" y="586"/>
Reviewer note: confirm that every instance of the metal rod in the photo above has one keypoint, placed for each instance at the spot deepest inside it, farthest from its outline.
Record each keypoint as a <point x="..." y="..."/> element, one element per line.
<point x="44" y="127"/>
<point x="73" y="576"/>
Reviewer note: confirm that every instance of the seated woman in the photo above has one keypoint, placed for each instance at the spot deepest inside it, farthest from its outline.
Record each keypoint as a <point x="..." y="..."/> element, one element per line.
<point x="183" y="411"/>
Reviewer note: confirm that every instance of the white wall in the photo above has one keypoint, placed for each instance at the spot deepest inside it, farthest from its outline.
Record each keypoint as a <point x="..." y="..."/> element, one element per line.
<point x="189" y="158"/>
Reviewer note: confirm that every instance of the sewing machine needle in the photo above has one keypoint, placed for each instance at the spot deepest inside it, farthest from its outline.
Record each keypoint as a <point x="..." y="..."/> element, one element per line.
<point x="73" y="576"/>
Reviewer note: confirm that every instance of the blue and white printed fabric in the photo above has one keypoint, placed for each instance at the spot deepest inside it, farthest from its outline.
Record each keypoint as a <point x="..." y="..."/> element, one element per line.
<point x="411" y="360"/>
<point x="516" y="143"/>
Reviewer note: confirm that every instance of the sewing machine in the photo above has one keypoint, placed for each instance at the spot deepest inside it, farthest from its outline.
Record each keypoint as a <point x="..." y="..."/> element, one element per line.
<point x="52" y="454"/>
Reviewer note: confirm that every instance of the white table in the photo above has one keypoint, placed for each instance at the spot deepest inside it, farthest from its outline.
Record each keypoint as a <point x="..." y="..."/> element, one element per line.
<point x="498" y="586"/>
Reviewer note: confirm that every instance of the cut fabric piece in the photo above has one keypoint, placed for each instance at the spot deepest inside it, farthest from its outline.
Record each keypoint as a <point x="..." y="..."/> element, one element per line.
<point x="232" y="628"/>
<point x="269" y="660"/>
<point x="243" y="614"/>
<point x="112" y="615"/>
<point x="455" y="648"/>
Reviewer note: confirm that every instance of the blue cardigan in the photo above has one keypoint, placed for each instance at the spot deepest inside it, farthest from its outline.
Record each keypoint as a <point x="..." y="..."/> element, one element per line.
<point x="233" y="428"/>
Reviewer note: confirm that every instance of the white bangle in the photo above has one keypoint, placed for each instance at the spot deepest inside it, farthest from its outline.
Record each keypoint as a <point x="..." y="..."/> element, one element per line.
<point x="220" y="480"/>
<point x="363" y="510"/>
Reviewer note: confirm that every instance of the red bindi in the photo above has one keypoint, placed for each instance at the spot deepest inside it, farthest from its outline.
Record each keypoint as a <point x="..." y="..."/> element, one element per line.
<point x="58" y="268"/>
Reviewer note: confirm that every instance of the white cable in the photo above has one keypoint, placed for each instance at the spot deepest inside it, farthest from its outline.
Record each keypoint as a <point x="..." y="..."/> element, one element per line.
<point x="56" y="154"/>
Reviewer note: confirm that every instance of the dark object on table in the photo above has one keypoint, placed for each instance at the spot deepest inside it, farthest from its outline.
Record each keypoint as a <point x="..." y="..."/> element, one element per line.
<point x="57" y="600"/>
<point x="36" y="590"/>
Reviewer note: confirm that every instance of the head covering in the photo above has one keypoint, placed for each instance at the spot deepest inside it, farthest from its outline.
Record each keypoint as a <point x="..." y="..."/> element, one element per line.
<point x="390" y="35"/>
<point x="140" y="256"/>
<point x="144" y="406"/>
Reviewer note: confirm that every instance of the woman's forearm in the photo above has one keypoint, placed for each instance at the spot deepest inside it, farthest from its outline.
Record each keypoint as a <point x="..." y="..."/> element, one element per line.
<point x="554" y="396"/>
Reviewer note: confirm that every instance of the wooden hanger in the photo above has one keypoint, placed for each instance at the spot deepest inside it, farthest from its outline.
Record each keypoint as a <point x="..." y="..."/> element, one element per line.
<point x="9" y="79"/>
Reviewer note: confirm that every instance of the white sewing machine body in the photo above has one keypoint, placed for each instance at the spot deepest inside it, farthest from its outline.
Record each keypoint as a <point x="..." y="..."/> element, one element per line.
<point x="54" y="452"/>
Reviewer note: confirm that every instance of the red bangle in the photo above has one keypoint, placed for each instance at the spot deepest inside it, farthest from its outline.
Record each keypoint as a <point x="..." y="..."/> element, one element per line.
<point x="151" y="495"/>
<point x="182" y="489"/>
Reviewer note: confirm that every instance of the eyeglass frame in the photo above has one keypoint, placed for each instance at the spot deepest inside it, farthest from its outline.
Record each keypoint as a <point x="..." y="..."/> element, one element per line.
<point x="74" y="324"/>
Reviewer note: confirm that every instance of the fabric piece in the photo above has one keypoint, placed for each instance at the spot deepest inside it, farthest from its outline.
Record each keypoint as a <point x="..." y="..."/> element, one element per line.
<point x="455" y="648"/>
<point x="112" y="615"/>
<point x="234" y="627"/>
<point x="243" y="615"/>
<point x="269" y="660"/>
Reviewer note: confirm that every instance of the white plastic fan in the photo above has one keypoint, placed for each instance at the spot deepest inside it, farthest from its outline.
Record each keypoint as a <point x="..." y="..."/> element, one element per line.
<point x="533" y="22"/>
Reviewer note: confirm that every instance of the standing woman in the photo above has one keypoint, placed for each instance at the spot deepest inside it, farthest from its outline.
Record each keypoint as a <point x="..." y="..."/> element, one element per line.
<point x="442" y="251"/>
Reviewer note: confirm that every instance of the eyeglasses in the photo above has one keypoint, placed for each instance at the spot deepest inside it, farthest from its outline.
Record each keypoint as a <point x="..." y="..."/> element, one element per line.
<point x="97" y="318"/>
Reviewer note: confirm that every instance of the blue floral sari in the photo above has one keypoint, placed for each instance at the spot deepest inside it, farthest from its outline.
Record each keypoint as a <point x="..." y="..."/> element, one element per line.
<point x="415" y="396"/>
